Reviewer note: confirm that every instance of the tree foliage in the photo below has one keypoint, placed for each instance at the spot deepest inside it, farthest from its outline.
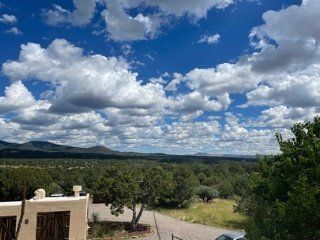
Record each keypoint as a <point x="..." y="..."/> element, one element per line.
<point x="184" y="187"/>
<point x="127" y="185"/>
<point x="207" y="194"/>
<point x="16" y="182"/>
<point x="20" y="184"/>
<point x="283" y="201"/>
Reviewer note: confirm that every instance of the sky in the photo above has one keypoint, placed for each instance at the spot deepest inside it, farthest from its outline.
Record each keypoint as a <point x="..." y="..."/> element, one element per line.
<point x="171" y="76"/>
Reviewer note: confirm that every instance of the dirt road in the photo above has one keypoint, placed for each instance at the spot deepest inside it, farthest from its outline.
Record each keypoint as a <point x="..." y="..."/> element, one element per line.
<point x="166" y="225"/>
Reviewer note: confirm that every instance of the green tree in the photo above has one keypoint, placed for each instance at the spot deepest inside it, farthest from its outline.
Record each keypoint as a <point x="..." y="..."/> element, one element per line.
<point x="128" y="185"/>
<point x="184" y="187"/>
<point x="20" y="184"/>
<point x="283" y="201"/>
<point x="240" y="184"/>
<point x="206" y="193"/>
<point x="225" y="188"/>
<point x="202" y="178"/>
<point x="14" y="183"/>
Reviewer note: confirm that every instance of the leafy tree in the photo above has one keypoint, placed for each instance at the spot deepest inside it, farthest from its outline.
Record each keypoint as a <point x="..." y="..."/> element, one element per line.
<point x="207" y="193"/>
<point x="53" y="188"/>
<point x="128" y="185"/>
<point x="185" y="184"/>
<point x="20" y="184"/>
<point x="240" y="184"/>
<point x="202" y="177"/>
<point x="212" y="181"/>
<point x="225" y="188"/>
<point x="283" y="201"/>
<point x="15" y="183"/>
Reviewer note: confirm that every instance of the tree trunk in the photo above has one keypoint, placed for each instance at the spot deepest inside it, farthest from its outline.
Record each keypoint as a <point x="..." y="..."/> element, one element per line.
<point x="22" y="211"/>
<point x="140" y="213"/>
<point x="133" y="224"/>
<point x="135" y="218"/>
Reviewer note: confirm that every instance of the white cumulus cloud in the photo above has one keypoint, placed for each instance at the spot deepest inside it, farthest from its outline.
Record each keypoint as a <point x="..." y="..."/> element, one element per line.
<point x="16" y="96"/>
<point x="8" y="18"/>
<point x="210" y="39"/>
<point x="81" y="15"/>
<point x="83" y="82"/>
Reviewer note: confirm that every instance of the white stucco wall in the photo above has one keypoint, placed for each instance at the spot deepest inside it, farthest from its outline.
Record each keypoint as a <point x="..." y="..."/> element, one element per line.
<point x="78" y="207"/>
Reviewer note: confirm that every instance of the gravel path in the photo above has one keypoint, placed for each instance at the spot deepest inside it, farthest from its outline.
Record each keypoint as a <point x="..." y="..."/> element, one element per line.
<point x="166" y="225"/>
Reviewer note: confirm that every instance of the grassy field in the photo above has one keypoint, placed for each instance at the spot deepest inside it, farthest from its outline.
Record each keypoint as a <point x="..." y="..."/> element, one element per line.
<point x="219" y="213"/>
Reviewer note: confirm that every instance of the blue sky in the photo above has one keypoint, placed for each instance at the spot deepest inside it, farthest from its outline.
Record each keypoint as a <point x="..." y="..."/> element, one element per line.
<point x="214" y="76"/>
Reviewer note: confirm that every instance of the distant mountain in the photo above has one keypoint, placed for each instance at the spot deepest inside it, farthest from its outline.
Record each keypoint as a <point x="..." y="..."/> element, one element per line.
<point x="41" y="149"/>
<point x="202" y="154"/>
<point x="100" y="149"/>
<point x="4" y="145"/>
<point x="224" y="155"/>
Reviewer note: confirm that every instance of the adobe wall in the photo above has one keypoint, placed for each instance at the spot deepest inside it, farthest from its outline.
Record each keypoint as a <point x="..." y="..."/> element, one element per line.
<point x="78" y="207"/>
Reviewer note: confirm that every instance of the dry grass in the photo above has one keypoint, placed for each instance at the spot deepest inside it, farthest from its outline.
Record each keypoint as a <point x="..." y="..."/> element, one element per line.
<point x="218" y="213"/>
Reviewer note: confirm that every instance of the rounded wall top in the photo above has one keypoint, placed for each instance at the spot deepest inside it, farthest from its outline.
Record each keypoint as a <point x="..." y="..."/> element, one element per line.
<point x="40" y="194"/>
<point x="77" y="188"/>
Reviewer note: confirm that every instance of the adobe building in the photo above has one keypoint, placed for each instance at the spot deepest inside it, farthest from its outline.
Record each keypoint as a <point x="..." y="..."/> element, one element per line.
<point x="46" y="218"/>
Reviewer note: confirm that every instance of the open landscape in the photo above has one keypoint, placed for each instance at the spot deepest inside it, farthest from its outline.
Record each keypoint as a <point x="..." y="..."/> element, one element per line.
<point x="160" y="119"/>
<point x="177" y="209"/>
<point x="189" y="198"/>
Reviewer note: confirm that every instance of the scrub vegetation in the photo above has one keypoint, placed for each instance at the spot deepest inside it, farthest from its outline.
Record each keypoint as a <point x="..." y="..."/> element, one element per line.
<point x="277" y="198"/>
<point x="218" y="213"/>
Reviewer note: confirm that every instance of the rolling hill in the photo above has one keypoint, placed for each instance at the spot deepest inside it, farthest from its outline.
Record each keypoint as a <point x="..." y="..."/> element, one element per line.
<point x="42" y="149"/>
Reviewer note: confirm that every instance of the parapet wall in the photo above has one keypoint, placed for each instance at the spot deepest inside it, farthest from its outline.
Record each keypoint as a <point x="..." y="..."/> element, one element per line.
<point x="78" y="207"/>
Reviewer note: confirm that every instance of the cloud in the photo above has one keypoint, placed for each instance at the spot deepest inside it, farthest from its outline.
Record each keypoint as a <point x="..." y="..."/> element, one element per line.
<point x="121" y="26"/>
<point x="79" y="121"/>
<point x="14" y="31"/>
<point x="195" y="101"/>
<point x="230" y="78"/>
<point x="127" y="50"/>
<point x="225" y="78"/>
<point x="193" y="9"/>
<point x="16" y="96"/>
<point x="283" y="70"/>
<point x="80" y="16"/>
<point x="185" y="132"/>
<point x="287" y="57"/>
<point x="98" y="99"/>
<point x="191" y="116"/>
<point x="288" y="39"/>
<point x="283" y="116"/>
<point x="296" y="90"/>
<point x="210" y="39"/>
<point x="8" y="19"/>
<point x="83" y="82"/>
<point x="35" y="115"/>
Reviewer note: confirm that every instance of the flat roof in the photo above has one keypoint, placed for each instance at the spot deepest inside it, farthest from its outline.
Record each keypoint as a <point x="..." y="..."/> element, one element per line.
<point x="7" y="204"/>
<point x="57" y="199"/>
<point x="46" y="199"/>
